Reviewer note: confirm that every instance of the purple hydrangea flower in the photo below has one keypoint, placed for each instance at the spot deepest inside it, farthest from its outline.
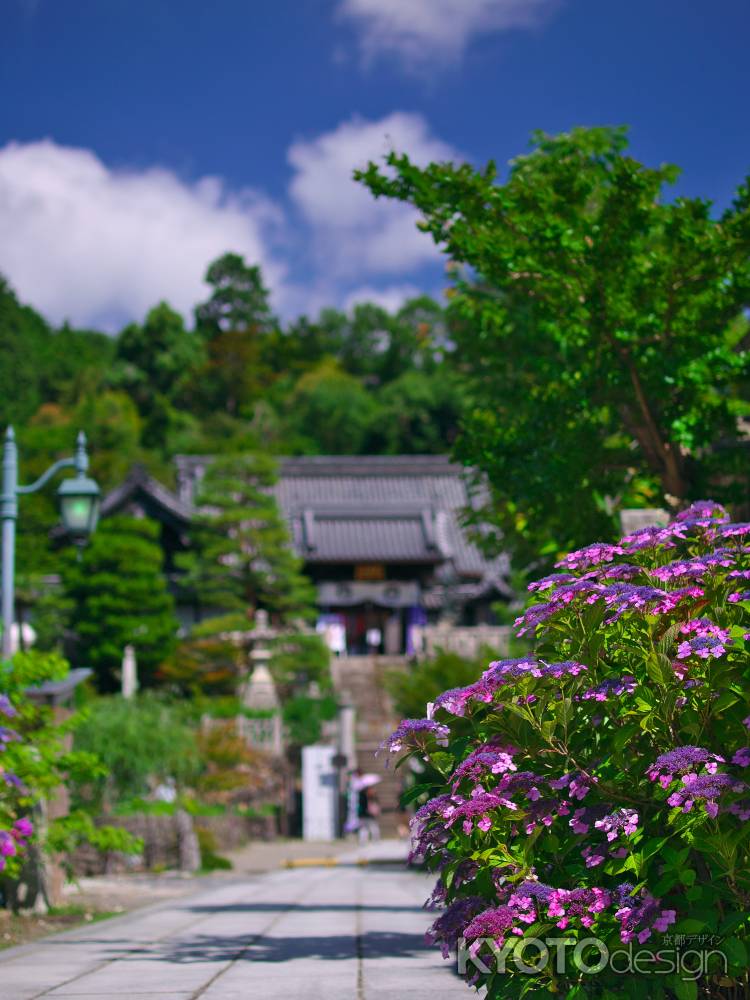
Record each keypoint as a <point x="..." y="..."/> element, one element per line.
<point x="622" y="571"/>
<point x="709" y="640"/>
<point x="694" y="569"/>
<point x="501" y="674"/>
<point x="702" y="512"/>
<point x="648" y="538"/>
<point x="476" y="809"/>
<point x="582" y="904"/>
<point x="553" y="580"/>
<point x="8" y="846"/>
<point x="428" y="831"/>
<point x="499" y="921"/>
<point x="591" y="555"/>
<point x="7" y="736"/>
<point x="485" y="760"/>
<point x="22" y="829"/>
<point x="740" y="809"/>
<point x="534" y="890"/>
<point x="682" y="760"/>
<point x="735" y="530"/>
<point x="566" y="668"/>
<point x="611" y="688"/>
<point x="706" y="788"/>
<point x="449" y="926"/>
<point x="415" y="733"/>
<point x="558" y="601"/>
<point x="621" y="821"/>
<point x="454" y="701"/>
<point x="638" y="916"/>
<point x="6" y="708"/>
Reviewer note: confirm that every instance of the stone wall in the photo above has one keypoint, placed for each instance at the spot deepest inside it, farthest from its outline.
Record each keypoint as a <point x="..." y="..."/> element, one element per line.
<point x="170" y="842"/>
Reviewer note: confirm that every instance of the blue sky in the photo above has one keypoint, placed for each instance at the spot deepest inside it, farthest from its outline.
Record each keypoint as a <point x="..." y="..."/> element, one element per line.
<point x="141" y="138"/>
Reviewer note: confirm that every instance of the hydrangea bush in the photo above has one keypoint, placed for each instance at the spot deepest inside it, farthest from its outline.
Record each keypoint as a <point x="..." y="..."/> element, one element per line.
<point x="600" y="786"/>
<point x="15" y="829"/>
<point x="35" y="761"/>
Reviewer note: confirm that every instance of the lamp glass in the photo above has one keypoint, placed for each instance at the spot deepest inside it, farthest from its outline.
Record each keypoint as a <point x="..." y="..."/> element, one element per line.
<point x="79" y="505"/>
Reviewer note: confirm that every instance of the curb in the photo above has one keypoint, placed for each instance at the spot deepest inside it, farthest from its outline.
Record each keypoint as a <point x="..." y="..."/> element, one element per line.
<point x="337" y="862"/>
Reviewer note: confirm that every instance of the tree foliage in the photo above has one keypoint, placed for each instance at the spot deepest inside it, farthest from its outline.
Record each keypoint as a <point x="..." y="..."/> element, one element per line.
<point x="242" y="558"/>
<point x="120" y="598"/>
<point x="594" y="321"/>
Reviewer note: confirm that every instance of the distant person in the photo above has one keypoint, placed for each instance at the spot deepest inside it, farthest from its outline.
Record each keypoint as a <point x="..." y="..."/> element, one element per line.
<point x="352" y="801"/>
<point x="369" y="813"/>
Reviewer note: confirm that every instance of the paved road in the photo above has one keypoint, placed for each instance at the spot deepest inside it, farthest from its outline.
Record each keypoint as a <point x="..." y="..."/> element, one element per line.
<point x="341" y="933"/>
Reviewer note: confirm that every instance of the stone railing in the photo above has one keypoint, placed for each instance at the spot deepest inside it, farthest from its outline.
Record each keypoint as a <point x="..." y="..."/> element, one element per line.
<point x="465" y="640"/>
<point x="264" y="733"/>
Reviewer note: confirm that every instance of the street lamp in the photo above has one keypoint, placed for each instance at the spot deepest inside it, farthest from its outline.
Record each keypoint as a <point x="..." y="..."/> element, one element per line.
<point x="79" y="507"/>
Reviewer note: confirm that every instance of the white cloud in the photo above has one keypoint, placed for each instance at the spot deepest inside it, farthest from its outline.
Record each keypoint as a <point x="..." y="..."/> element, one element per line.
<point x="355" y="234"/>
<point x="390" y="298"/>
<point x="96" y="245"/>
<point x="100" y="246"/>
<point x="419" y="31"/>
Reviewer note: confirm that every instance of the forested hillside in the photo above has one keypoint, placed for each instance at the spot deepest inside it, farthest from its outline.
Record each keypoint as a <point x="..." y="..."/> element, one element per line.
<point x="233" y="379"/>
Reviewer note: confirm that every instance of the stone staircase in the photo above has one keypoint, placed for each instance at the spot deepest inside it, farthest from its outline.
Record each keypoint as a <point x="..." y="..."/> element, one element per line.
<point x="359" y="681"/>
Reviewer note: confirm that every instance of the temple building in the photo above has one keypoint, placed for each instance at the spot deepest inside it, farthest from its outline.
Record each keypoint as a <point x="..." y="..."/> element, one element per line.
<point x="380" y="537"/>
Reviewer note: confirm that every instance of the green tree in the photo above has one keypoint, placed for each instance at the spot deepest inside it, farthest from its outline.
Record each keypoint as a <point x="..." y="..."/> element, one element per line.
<point x="329" y="412"/>
<point x="243" y="560"/>
<point x="120" y="597"/>
<point x="420" y="413"/>
<point x="156" y="361"/>
<point x="113" y="427"/>
<point x="235" y="323"/>
<point x="238" y="300"/>
<point x="303" y="343"/>
<point x="24" y="339"/>
<point x="594" y="320"/>
<point x="378" y="346"/>
<point x="242" y="555"/>
<point x="77" y="364"/>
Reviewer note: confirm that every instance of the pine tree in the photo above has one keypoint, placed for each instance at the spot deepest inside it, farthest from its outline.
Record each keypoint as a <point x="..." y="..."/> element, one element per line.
<point x="242" y="557"/>
<point x="120" y="597"/>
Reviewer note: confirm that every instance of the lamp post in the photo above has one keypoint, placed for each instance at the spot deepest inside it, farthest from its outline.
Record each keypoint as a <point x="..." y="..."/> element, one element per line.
<point x="79" y="508"/>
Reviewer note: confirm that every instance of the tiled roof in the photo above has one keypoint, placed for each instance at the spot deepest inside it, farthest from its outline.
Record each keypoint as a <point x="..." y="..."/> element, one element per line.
<point x="404" y="508"/>
<point x="424" y="488"/>
<point x="376" y="535"/>
<point x="139" y="484"/>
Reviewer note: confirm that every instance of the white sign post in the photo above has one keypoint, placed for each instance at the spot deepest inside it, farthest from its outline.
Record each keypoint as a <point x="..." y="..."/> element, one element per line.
<point x="319" y="793"/>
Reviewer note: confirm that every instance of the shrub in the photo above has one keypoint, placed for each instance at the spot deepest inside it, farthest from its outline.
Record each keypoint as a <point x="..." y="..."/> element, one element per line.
<point x="36" y="761"/>
<point x="231" y="768"/>
<point x="304" y="716"/>
<point x="597" y="786"/>
<point x="15" y="828"/>
<point x="211" y="861"/>
<point x="137" y="740"/>
<point x="409" y="689"/>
